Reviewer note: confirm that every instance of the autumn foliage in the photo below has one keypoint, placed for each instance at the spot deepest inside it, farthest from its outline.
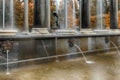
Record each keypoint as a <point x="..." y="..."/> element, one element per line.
<point x="19" y="13"/>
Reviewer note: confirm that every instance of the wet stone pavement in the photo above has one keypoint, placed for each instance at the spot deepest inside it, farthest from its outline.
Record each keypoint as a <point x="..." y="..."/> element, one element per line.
<point x="105" y="67"/>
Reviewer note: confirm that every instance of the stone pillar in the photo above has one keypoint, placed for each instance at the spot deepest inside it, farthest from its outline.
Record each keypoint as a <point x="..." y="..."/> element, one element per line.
<point x="3" y="14"/>
<point x="99" y="15"/>
<point x="12" y="13"/>
<point x="39" y="13"/>
<point x="26" y="16"/>
<point x="42" y="14"/>
<point x="37" y="22"/>
<point x="80" y="26"/>
<point x="113" y="14"/>
<point x="85" y="17"/>
<point x="66" y="14"/>
<point x="48" y="14"/>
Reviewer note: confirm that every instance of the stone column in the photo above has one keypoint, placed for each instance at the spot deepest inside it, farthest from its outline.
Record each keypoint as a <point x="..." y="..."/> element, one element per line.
<point x="37" y="22"/>
<point x="26" y="16"/>
<point x="3" y="14"/>
<point x="39" y="13"/>
<point x="48" y="14"/>
<point x="99" y="15"/>
<point x="85" y="17"/>
<point x="42" y="14"/>
<point x="65" y="14"/>
<point x="113" y="14"/>
<point x="80" y="26"/>
<point x="12" y="13"/>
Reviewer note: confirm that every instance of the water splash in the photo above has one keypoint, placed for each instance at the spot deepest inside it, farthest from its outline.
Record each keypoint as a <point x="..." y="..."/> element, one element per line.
<point x="45" y="48"/>
<point x="88" y="62"/>
<point x="56" y="44"/>
<point x="115" y="46"/>
<point x="7" y="72"/>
